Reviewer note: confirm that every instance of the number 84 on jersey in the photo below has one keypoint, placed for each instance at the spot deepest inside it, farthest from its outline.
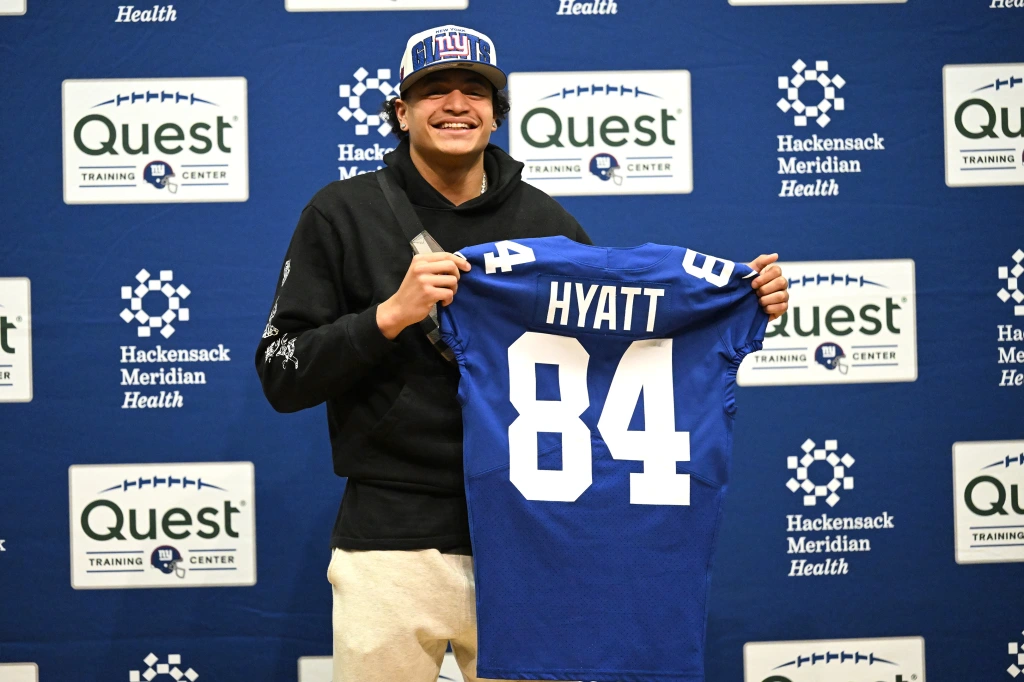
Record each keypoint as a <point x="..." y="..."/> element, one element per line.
<point x="646" y="367"/>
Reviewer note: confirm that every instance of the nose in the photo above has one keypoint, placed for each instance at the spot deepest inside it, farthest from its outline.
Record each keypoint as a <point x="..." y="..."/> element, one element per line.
<point x="455" y="102"/>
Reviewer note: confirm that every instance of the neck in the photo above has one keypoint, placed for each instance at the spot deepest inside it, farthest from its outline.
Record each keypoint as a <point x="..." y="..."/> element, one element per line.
<point x="457" y="179"/>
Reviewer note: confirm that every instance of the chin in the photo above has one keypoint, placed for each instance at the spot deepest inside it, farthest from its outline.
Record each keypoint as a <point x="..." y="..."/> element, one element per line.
<point x="461" y="147"/>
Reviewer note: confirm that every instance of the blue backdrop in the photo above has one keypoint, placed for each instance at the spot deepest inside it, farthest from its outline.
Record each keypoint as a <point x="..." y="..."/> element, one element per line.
<point x="78" y="256"/>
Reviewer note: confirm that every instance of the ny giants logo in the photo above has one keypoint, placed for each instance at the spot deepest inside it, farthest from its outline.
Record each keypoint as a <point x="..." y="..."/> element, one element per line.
<point x="453" y="46"/>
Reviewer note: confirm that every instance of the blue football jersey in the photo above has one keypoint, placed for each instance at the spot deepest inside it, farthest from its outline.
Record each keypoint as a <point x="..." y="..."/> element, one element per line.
<point x="597" y="400"/>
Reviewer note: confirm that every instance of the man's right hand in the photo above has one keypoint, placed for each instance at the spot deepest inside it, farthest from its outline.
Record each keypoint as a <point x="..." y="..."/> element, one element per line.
<point x="431" y="278"/>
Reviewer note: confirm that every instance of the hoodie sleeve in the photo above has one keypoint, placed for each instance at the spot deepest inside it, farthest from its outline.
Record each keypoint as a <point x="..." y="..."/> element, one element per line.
<point x="314" y="347"/>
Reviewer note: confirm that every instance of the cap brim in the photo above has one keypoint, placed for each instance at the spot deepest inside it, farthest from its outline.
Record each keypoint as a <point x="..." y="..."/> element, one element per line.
<point x="492" y="73"/>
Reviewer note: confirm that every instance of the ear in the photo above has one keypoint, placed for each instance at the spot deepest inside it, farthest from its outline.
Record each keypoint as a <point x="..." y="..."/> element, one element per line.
<point x="401" y="110"/>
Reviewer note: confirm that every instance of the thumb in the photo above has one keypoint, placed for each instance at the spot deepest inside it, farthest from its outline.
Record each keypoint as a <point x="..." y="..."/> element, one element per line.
<point x="763" y="261"/>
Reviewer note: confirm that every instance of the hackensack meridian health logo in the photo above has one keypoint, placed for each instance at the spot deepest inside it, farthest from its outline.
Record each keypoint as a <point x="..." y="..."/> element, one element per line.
<point x="140" y="141"/>
<point x="988" y="482"/>
<point x="892" y="659"/>
<point x="813" y="95"/>
<point x="820" y="476"/>
<point x="848" y="322"/>
<point x="155" y="305"/>
<point x="365" y="132"/>
<point x="1011" y="293"/>
<point x="603" y="132"/>
<point x="15" y="340"/>
<point x="1016" y="649"/>
<point x="364" y="5"/>
<point x="838" y="478"/>
<point x="162" y="525"/>
<point x="984" y="124"/>
<point x="152" y="667"/>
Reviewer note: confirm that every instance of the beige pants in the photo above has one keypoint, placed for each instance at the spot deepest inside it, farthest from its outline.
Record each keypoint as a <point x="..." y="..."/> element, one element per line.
<point x="395" y="612"/>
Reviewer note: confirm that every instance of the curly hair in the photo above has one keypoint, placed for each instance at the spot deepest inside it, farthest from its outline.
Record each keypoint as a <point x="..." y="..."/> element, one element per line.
<point x="499" y="100"/>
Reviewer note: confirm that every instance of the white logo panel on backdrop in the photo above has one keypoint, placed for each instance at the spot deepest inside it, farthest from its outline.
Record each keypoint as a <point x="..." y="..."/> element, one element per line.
<point x="603" y="132"/>
<point x="19" y="672"/>
<point x="140" y="141"/>
<point x="12" y="7"/>
<point x="988" y="477"/>
<point x="162" y="525"/>
<point x="319" y="669"/>
<point x="361" y="5"/>
<point x="982" y="112"/>
<point x="890" y="659"/>
<point x="15" y="340"/>
<point x="848" y="322"/>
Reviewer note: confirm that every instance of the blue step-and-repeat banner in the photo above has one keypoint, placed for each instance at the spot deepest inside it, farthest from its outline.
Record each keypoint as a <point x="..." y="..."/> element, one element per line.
<point x="153" y="164"/>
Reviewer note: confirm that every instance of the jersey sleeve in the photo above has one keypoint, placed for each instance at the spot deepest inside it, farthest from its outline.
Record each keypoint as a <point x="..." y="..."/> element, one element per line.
<point x="452" y="333"/>
<point x="497" y="275"/>
<point x="453" y="326"/>
<point x="742" y="328"/>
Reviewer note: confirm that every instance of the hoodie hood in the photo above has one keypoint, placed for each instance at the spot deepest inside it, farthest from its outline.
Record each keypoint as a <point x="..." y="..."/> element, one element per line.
<point x="503" y="176"/>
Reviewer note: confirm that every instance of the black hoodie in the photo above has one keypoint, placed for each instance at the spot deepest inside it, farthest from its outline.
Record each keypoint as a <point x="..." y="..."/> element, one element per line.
<point x="394" y="421"/>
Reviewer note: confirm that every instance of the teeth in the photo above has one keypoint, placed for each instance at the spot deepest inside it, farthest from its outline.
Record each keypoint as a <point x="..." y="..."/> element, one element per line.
<point x="455" y="125"/>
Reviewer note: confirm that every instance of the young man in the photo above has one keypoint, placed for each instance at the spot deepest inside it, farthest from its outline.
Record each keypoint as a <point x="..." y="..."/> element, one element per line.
<point x="344" y="330"/>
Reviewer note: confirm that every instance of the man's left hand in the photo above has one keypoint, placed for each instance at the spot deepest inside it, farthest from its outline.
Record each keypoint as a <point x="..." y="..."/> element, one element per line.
<point x="772" y="288"/>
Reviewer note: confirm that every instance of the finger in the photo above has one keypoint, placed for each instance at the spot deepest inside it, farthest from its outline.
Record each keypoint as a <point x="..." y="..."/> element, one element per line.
<point x="460" y="262"/>
<point x="772" y="299"/>
<point x="440" y="282"/>
<point x="776" y="310"/>
<point x="439" y="267"/>
<point x="769" y="273"/>
<point x="775" y="285"/>
<point x="444" y="296"/>
<point x="434" y="256"/>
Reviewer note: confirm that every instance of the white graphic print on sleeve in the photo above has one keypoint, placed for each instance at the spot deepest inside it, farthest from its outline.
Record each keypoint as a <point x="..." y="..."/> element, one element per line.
<point x="287" y="271"/>
<point x="271" y="349"/>
<point x="271" y="330"/>
<point x="287" y="351"/>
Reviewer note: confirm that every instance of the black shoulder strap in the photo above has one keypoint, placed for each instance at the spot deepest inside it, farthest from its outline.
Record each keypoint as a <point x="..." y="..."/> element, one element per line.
<point x="421" y="242"/>
<point x="419" y="239"/>
<point x="400" y="205"/>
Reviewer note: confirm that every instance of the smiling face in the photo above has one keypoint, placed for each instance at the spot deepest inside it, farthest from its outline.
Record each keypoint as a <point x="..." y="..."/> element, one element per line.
<point x="449" y="115"/>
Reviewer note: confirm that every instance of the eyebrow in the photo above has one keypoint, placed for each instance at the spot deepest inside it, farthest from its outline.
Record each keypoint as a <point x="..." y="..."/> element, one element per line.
<point x="440" y="77"/>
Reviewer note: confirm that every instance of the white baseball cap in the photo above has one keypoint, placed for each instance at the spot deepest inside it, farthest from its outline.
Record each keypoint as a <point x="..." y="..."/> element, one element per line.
<point x="449" y="47"/>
